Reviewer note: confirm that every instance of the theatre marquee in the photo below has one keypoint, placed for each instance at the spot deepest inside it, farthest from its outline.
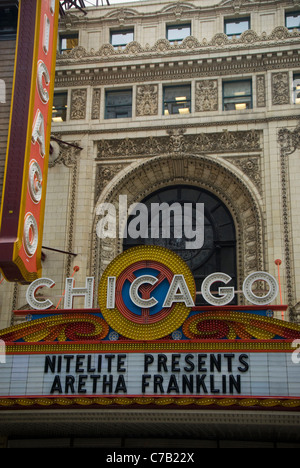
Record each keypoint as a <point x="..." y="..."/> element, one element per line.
<point x="148" y="345"/>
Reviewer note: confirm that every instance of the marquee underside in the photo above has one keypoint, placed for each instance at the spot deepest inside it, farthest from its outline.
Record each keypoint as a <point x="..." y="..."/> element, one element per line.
<point x="190" y="426"/>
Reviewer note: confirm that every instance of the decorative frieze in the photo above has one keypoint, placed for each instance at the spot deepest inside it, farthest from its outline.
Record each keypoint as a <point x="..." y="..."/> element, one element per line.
<point x="179" y="142"/>
<point x="185" y="69"/>
<point x="162" y="47"/>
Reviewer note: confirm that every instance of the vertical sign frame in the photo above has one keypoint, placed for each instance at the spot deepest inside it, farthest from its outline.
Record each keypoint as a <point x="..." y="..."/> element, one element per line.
<point x="25" y="179"/>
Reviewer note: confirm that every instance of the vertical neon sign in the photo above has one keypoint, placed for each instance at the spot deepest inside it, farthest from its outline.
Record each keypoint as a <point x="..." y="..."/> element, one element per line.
<point x="25" y="180"/>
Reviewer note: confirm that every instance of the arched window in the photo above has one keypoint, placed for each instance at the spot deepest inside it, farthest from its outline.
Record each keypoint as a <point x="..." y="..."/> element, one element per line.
<point x="218" y="253"/>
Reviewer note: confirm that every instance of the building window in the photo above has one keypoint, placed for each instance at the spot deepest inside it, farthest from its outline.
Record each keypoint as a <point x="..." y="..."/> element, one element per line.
<point x="121" y="38"/>
<point x="67" y="42"/>
<point x="237" y="95"/>
<point x="59" y="109"/>
<point x="292" y="20"/>
<point x="178" y="32"/>
<point x="296" y="88"/>
<point x="177" y="100"/>
<point x="235" y="27"/>
<point x="118" y="104"/>
<point x="8" y="22"/>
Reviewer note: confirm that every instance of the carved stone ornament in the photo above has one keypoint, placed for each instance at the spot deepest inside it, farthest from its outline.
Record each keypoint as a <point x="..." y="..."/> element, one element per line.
<point x="206" y="95"/>
<point x="280" y="88"/>
<point x="176" y="143"/>
<point x="289" y="142"/>
<point x="178" y="9"/>
<point x="193" y="44"/>
<point x="105" y="174"/>
<point x="96" y="104"/>
<point x="122" y="15"/>
<point x="78" y="104"/>
<point x="63" y="153"/>
<point x="147" y="100"/>
<point x="250" y="166"/>
<point x="236" y="4"/>
<point x="261" y="91"/>
<point x="179" y="141"/>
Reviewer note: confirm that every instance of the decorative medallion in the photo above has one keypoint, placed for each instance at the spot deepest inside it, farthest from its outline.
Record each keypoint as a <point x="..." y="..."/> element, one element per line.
<point x="131" y="279"/>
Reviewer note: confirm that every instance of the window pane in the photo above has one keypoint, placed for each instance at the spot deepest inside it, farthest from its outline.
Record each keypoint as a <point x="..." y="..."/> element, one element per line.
<point x="68" y="42"/>
<point x="59" y="109"/>
<point x="178" y="33"/>
<point x="237" y="95"/>
<point x="121" y="38"/>
<point x="177" y="100"/>
<point x="292" y="20"/>
<point x="118" y="104"/>
<point x="296" y="89"/>
<point x="237" y="88"/>
<point x="238" y="104"/>
<point x="236" y="27"/>
<point x="8" y="22"/>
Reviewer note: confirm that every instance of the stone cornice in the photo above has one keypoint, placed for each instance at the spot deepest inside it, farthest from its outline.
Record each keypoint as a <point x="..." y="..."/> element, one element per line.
<point x="182" y="69"/>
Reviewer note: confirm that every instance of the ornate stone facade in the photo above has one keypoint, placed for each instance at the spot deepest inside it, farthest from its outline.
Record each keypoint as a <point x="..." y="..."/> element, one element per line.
<point x="247" y="158"/>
